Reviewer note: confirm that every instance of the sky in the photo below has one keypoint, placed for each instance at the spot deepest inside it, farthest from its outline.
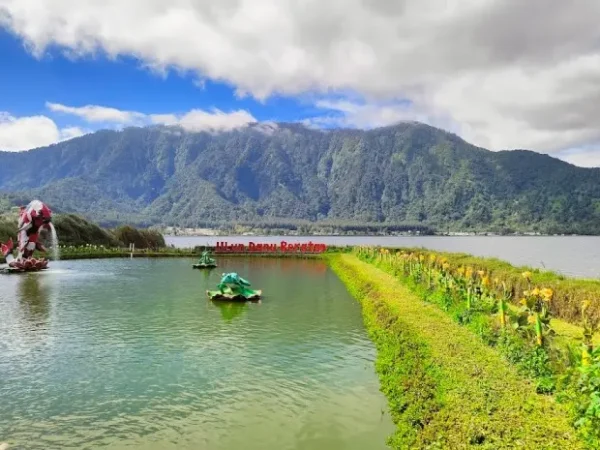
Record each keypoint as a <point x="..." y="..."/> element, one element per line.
<point x="502" y="74"/>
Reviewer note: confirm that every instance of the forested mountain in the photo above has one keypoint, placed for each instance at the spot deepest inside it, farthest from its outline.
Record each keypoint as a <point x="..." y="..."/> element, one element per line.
<point x="404" y="174"/>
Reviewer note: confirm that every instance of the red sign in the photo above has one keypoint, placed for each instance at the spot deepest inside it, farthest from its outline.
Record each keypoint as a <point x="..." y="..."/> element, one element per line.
<point x="284" y="247"/>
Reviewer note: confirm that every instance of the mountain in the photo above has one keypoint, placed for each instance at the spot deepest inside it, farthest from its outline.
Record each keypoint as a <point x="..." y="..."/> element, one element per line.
<point x="409" y="173"/>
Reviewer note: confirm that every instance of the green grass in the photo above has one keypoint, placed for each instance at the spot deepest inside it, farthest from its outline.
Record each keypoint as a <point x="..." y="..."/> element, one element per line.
<point x="445" y="387"/>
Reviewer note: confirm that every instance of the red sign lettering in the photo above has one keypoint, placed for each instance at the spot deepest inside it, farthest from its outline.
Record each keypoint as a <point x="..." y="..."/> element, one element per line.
<point x="283" y="247"/>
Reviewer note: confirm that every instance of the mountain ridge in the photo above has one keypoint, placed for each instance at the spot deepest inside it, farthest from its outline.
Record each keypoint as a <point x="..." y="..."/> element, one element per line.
<point x="405" y="173"/>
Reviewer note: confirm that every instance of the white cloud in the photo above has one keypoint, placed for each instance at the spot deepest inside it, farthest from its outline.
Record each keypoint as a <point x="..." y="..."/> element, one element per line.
<point x="198" y="120"/>
<point x="504" y="73"/>
<point x="94" y="113"/>
<point x="194" y="120"/>
<point x="23" y="133"/>
<point x="583" y="157"/>
<point x="354" y="114"/>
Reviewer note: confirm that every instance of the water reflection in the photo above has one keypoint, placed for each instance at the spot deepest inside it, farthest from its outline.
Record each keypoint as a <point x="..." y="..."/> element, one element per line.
<point x="134" y="355"/>
<point x="285" y="265"/>
<point x="230" y="310"/>
<point x="34" y="298"/>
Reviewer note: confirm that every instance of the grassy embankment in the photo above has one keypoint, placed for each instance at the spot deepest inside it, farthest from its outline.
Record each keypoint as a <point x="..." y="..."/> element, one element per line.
<point x="511" y="312"/>
<point x="445" y="387"/>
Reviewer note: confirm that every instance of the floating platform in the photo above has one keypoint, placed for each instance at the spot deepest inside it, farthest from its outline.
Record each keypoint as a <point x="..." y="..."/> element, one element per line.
<point x="6" y="270"/>
<point x="204" y="266"/>
<point x="229" y="296"/>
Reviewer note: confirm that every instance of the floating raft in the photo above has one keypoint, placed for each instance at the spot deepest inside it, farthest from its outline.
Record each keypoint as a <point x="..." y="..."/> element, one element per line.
<point x="229" y="296"/>
<point x="6" y="270"/>
<point x="204" y="266"/>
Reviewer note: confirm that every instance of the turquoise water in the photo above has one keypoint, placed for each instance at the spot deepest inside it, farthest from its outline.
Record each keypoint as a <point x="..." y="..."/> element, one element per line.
<point x="129" y="354"/>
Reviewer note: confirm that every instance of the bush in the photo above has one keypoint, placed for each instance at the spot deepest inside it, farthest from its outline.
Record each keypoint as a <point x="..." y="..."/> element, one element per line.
<point x="140" y="238"/>
<point x="75" y="230"/>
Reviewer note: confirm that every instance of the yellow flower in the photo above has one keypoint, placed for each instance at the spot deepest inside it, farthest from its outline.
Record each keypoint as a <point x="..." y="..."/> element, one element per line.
<point x="526" y="293"/>
<point x="432" y="258"/>
<point x="480" y="273"/>
<point x="460" y="271"/>
<point x="547" y="294"/>
<point x="445" y="266"/>
<point x="523" y="302"/>
<point x="526" y="275"/>
<point x="531" y="319"/>
<point x="485" y="281"/>
<point x="585" y="358"/>
<point x="469" y="272"/>
<point x="535" y="292"/>
<point x="421" y="258"/>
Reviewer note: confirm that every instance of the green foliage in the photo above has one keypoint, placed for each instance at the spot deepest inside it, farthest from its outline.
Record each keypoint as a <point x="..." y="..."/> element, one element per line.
<point x="75" y="230"/>
<point x="408" y="174"/>
<point x="589" y="400"/>
<point x="568" y="293"/>
<point x="530" y="344"/>
<point x="140" y="238"/>
<point x="408" y="375"/>
<point x="8" y="228"/>
<point x="446" y="389"/>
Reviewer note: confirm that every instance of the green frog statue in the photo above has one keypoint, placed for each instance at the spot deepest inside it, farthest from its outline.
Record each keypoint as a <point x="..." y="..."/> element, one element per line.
<point x="234" y="288"/>
<point x="205" y="261"/>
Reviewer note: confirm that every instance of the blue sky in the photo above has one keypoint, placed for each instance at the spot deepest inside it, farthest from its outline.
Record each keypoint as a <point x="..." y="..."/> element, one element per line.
<point x="27" y="83"/>
<point x="475" y="68"/>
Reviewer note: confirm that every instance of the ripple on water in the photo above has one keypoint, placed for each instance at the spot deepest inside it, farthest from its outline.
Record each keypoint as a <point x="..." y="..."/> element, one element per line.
<point x="141" y="360"/>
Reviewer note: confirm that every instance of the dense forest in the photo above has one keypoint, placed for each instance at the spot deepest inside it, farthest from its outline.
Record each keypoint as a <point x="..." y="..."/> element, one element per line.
<point x="406" y="176"/>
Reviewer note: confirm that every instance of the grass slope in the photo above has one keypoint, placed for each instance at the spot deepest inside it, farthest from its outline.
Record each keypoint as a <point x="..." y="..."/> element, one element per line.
<point x="446" y="389"/>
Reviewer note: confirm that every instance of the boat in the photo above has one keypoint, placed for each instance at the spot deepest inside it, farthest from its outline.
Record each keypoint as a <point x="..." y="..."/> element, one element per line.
<point x="205" y="261"/>
<point x="234" y="288"/>
<point x="26" y="265"/>
<point x="204" y="266"/>
<point x="232" y="296"/>
<point x="7" y="270"/>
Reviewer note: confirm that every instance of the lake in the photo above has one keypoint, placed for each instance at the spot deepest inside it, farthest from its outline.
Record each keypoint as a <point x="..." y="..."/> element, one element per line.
<point x="130" y="354"/>
<point x="577" y="256"/>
